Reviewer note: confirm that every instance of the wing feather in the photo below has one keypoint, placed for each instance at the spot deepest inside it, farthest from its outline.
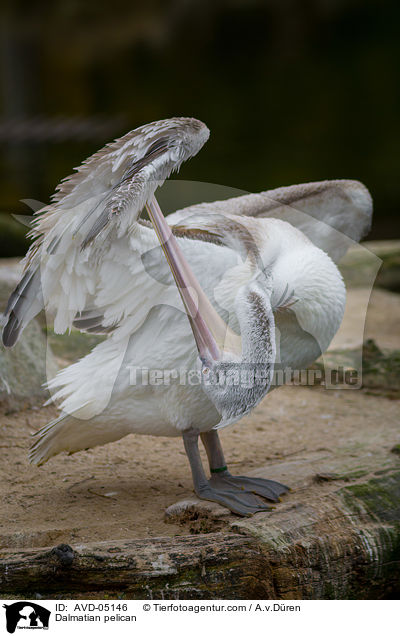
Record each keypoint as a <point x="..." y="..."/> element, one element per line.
<point x="332" y="214"/>
<point x="92" y="211"/>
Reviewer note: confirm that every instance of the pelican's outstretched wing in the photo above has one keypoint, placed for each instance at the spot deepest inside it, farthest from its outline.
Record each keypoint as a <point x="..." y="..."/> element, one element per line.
<point x="333" y="214"/>
<point x="87" y="235"/>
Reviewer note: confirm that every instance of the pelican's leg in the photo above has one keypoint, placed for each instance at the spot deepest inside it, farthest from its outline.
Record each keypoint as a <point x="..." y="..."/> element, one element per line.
<point x="223" y="480"/>
<point x="241" y="502"/>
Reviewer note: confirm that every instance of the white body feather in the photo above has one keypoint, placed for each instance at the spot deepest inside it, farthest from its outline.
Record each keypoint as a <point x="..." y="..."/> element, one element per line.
<point x="98" y="393"/>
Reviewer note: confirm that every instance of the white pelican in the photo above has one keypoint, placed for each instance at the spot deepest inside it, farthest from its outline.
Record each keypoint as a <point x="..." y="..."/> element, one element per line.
<point x="260" y="294"/>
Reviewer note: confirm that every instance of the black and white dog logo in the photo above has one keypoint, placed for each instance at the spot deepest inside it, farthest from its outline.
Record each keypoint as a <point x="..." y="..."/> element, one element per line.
<point x="26" y="615"/>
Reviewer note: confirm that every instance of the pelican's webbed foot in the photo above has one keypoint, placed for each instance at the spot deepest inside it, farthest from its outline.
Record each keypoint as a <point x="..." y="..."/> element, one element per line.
<point x="242" y="502"/>
<point x="239" y="494"/>
<point x="271" y="490"/>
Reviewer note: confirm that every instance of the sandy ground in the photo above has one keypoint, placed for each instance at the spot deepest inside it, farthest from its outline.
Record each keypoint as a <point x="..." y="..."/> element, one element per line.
<point x="121" y="490"/>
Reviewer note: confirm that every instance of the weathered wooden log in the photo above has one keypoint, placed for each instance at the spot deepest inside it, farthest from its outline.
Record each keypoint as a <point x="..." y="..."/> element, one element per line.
<point x="343" y="544"/>
<point x="201" y="566"/>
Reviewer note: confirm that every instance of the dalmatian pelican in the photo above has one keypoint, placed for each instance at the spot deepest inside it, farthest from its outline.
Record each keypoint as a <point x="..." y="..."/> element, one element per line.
<point x="217" y="296"/>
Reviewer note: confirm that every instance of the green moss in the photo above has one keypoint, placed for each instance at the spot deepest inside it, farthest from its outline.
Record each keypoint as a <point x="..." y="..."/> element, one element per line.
<point x="379" y="496"/>
<point x="353" y="475"/>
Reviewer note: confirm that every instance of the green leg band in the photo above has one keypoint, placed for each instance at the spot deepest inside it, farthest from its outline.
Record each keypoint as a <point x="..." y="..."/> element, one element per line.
<point x="219" y="470"/>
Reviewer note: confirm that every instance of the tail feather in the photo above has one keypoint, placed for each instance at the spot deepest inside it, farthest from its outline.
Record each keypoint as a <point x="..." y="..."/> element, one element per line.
<point x="70" y="434"/>
<point x="46" y="439"/>
<point x="24" y="304"/>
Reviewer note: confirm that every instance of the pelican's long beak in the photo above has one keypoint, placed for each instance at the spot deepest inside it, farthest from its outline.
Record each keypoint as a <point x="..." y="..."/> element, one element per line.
<point x="211" y="333"/>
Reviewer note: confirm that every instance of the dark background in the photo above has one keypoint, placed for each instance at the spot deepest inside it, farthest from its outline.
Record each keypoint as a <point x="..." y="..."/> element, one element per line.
<point x="292" y="91"/>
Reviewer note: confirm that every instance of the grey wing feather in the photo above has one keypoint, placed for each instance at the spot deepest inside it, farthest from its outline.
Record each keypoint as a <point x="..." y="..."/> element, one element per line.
<point x="332" y="214"/>
<point x="24" y="304"/>
<point x="92" y="322"/>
